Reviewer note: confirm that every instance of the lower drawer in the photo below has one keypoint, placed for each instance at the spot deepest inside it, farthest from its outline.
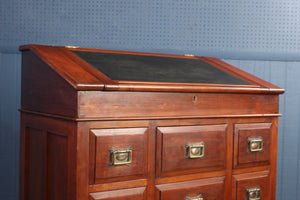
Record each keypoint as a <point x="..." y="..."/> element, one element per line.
<point x="208" y="189"/>
<point x="128" y="194"/>
<point x="251" y="186"/>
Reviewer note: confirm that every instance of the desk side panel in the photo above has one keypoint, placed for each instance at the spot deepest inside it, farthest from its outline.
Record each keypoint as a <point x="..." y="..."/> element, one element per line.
<point x="43" y="90"/>
<point x="47" y="159"/>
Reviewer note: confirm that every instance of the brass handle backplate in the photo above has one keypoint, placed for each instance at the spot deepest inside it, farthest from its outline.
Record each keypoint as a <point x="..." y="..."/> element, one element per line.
<point x="253" y="193"/>
<point x="255" y="144"/>
<point x="199" y="197"/>
<point x="121" y="156"/>
<point x="195" y="150"/>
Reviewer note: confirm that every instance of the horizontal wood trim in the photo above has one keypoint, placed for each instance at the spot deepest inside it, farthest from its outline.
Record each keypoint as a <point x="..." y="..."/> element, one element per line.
<point x="211" y="188"/>
<point x="251" y="169"/>
<point x="173" y="87"/>
<point x="145" y="117"/>
<point x="187" y="88"/>
<point x="188" y="184"/>
<point x="250" y="175"/>
<point x="185" y="84"/>
<point x="117" y="185"/>
<point x="130" y="194"/>
<point x="189" y="177"/>
<point x="177" y="117"/>
<point x="170" y="87"/>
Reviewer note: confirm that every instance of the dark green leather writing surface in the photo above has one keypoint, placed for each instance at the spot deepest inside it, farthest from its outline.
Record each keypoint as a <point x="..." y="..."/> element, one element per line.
<point x="128" y="67"/>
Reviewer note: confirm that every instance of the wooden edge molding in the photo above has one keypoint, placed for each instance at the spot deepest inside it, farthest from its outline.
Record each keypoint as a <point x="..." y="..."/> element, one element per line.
<point x="117" y="185"/>
<point x="189" y="88"/>
<point x="144" y="117"/>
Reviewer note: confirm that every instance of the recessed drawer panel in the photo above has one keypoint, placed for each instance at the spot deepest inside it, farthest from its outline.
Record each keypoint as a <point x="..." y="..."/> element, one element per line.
<point x="251" y="186"/>
<point x="204" y="189"/>
<point x="128" y="194"/>
<point x="117" y="153"/>
<point x="252" y="144"/>
<point x="189" y="149"/>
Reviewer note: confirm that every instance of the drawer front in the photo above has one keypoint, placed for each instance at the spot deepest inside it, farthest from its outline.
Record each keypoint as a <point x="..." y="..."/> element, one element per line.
<point x="191" y="148"/>
<point x="119" y="154"/>
<point x="128" y="194"/>
<point x="206" y="189"/>
<point x="252" y="144"/>
<point x="252" y="186"/>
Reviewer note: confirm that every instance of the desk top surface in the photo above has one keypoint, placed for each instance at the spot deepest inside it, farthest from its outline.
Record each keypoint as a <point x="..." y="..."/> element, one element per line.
<point x="128" y="67"/>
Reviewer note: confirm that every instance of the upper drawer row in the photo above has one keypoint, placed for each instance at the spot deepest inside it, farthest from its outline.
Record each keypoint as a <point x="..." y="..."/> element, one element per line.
<point x="123" y="153"/>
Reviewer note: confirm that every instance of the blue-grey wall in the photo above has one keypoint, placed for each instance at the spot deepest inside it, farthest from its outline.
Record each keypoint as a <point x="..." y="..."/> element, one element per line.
<point x="261" y="37"/>
<point x="10" y="69"/>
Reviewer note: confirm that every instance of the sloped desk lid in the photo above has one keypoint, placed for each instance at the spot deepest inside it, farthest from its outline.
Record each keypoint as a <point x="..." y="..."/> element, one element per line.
<point x="126" y="67"/>
<point x="92" y="69"/>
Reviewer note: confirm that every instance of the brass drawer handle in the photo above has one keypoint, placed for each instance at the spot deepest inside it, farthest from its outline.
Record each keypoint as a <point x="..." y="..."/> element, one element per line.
<point x="199" y="197"/>
<point x="253" y="193"/>
<point x="255" y="144"/>
<point x="195" y="150"/>
<point x="121" y="156"/>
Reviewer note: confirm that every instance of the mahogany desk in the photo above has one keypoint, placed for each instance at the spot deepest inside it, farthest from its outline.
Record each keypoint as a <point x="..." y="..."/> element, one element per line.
<point x="112" y="125"/>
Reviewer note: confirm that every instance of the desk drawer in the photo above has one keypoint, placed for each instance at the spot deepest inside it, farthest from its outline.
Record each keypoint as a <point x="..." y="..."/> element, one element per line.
<point x="206" y="189"/>
<point x="119" y="154"/>
<point x="252" y="143"/>
<point x="188" y="149"/>
<point x="251" y="186"/>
